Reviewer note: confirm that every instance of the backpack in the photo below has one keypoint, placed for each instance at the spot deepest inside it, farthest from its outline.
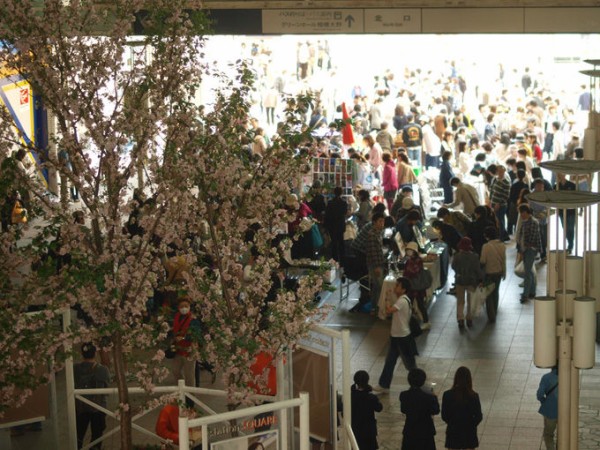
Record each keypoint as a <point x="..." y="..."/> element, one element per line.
<point x="86" y="379"/>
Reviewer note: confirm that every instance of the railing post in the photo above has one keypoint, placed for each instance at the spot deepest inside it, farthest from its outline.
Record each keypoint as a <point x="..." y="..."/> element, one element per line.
<point x="70" y="386"/>
<point x="347" y="380"/>
<point x="184" y="433"/>
<point x="304" y="422"/>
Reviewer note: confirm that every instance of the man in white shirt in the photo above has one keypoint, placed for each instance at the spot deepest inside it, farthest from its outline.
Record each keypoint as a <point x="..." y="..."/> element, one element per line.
<point x="432" y="144"/>
<point x="402" y="344"/>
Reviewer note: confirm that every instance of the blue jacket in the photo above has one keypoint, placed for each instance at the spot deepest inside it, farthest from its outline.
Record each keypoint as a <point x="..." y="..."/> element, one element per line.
<point x="549" y="402"/>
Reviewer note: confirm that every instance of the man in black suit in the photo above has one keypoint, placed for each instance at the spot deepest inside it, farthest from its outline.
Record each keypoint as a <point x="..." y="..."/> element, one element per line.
<point x="419" y="405"/>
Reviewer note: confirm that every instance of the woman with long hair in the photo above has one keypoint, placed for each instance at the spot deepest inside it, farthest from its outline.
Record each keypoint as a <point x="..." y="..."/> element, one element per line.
<point x="406" y="175"/>
<point x="461" y="410"/>
<point x="375" y="153"/>
<point x="464" y="163"/>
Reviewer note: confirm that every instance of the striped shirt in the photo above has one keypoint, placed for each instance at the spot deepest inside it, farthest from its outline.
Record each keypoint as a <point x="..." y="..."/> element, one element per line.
<point x="500" y="192"/>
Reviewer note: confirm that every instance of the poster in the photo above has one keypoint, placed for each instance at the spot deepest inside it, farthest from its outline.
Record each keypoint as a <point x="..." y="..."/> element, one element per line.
<point x="261" y="441"/>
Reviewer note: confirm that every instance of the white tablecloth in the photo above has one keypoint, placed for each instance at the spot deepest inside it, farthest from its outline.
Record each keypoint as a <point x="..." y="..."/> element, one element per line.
<point x="387" y="296"/>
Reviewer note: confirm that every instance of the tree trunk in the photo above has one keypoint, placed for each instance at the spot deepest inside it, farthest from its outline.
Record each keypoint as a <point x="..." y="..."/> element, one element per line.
<point x="120" y="376"/>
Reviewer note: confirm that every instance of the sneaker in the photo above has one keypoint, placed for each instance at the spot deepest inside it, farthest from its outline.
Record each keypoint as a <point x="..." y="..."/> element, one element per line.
<point x="461" y="324"/>
<point x="378" y="390"/>
<point x="425" y="326"/>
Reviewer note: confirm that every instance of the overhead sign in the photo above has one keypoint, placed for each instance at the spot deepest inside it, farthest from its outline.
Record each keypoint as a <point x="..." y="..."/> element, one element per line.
<point x="313" y="21"/>
<point x="392" y="21"/>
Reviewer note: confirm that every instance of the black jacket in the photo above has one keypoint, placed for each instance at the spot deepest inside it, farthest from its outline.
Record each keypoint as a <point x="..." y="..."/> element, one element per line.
<point x="335" y="217"/>
<point x="419" y="430"/>
<point x="462" y="417"/>
<point x="364" y="406"/>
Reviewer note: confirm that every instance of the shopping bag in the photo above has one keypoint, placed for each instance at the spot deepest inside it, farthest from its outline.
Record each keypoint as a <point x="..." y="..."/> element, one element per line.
<point x="317" y="239"/>
<point x="478" y="297"/>
<point x="520" y="270"/>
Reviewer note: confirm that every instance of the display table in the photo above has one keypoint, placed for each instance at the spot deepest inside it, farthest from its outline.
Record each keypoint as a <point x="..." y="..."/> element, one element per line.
<point x="387" y="297"/>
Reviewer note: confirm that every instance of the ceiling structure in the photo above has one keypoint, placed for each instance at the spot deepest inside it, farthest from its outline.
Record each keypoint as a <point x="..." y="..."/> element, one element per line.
<point x="409" y="16"/>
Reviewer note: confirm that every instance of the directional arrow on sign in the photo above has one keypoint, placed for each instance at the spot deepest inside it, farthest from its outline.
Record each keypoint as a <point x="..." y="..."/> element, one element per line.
<point x="349" y="19"/>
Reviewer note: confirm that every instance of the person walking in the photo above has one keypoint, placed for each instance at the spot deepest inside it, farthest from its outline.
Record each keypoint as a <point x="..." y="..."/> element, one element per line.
<point x="364" y="406"/>
<point x="402" y="344"/>
<point x="493" y="260"/>
<point x="468" y="275"/>
<point x="389" y="181"/>
<point x="419" y="405"/>
<point x="461" y="410"/>
<point x="529" y="243"/>
<point x="89" y="374"/>
<point x="499" y="194"/>
<point x="562" y="184"/>
<point x="547" y="394"/>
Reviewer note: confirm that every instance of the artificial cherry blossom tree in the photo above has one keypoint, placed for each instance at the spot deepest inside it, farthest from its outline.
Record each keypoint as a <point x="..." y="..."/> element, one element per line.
<point x="210" y="202"/>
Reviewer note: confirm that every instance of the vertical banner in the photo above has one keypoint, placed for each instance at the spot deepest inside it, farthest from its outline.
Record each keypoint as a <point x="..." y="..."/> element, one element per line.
<point x="29" y="118"/>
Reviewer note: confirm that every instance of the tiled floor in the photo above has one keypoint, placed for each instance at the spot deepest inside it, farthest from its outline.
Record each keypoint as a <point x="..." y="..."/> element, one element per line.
<point x="499" y="356"/>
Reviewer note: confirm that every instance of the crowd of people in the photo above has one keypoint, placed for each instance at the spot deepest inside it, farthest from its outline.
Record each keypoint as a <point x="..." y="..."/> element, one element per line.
<point x="406" y="130"/>
<point x="485" y="162"/>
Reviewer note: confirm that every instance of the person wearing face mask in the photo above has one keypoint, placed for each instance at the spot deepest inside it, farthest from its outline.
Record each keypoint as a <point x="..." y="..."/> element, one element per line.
<point x="185" y="331"/>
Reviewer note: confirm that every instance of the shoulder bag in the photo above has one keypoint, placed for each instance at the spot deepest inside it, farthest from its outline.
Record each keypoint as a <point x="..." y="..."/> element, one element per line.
<point x="413" y="323"/>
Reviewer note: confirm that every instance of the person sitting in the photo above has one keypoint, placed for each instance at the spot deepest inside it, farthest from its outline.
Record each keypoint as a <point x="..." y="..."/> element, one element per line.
<point x="167" y="426"/>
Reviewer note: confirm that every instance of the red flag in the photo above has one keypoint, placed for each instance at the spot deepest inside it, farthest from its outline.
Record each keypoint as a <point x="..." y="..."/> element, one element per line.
<point x="347" y="133"/>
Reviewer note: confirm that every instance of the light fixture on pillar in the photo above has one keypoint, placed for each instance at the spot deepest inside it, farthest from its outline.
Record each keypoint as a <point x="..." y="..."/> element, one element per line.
<point x="573" y="321"/>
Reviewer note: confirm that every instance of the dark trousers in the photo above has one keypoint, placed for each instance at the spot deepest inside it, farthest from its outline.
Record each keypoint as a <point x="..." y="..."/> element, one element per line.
<point x="419" y="297"/>
<point x="544" y="239"/>
<point x="337" y="246"/>
<point x="432" y="161"/>
<point x="97" y="420"/>
<point x="400" y="347"/>
<point x="570" y="227"/>
<point x="501" y="215"/>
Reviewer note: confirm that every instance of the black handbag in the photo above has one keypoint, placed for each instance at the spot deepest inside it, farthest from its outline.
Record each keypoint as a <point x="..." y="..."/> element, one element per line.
<point x="413" y="323"/>
<point x="170" y="351"/>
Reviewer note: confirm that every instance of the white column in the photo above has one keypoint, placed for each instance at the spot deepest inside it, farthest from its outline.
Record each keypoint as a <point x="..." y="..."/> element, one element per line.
<point x="564" y="388"/>
<point x="544" y="336"/>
